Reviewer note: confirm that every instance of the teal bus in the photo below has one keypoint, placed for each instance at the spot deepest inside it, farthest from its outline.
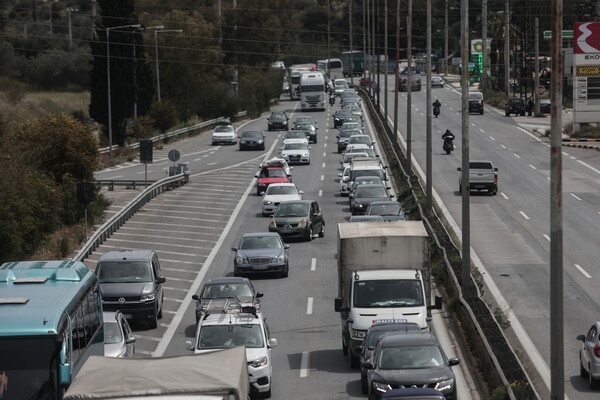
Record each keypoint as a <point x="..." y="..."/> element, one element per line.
<point x="50" y="323"/>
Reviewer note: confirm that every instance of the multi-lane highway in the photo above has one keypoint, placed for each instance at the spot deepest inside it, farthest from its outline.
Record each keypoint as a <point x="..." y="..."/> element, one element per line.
<point x="510" y="232"/>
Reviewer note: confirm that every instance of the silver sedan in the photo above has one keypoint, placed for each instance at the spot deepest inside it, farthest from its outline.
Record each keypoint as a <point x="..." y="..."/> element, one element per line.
<point x="296" y="152"/>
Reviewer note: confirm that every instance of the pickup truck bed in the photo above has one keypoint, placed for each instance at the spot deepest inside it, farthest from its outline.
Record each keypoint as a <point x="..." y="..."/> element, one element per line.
<point x="482" y="176"/>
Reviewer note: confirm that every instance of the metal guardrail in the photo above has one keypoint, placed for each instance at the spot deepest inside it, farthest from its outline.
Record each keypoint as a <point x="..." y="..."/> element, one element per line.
<point x="176" y="132"/>
<point x="117" y="220"/>
<point x="128" y="183"/>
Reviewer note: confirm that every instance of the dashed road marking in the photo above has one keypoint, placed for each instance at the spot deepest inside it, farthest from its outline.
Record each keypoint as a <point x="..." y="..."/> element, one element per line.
<point x="322" y="177"/>
<point x="524" y="215"/>
<point x="583" y="271"/>
<point x="516" y="155"/>
<point x="323" y="165"/>
<point x="309" y="305"/>
<point x="503" y="195"/>
<point x="575" y="196"/>
<point x="313" y="264"/>
<point x="503" y="146"/>
<point x="532" y="167"/>
<point x="320" y="193"/>
<point x="304" y="364"/>
<point x="547" y="237"/>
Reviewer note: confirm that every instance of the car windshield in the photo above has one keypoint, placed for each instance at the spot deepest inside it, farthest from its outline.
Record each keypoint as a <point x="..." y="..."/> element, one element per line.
<point x="303" y="120"/>
<point x="112" y="333"/>
<point x="292" y="210"/>
<point x="347" y="133"/>
<point x="260" y="242"/>
<point x="224" y="290"/>
<point x="350" y="125"/>
<point x="277" y="117"/>
<point x="410" y="357"/>
<point x="274" y="173"/>
<point x="295" y="135"/>
<point x="230" y="335"/>
<point x="252" y="134"/>
<point x="368" y="180"/>
<point x="295" y="146"/>
<point x="128" y="271"/>
<point x="355" y="108"/>
<point x="363" y="192"/>
<point x="367" y="172"/>
<point x="343" y="112"/>
<point x="385" y="209"/>
<point x="271" y="190"/>
<point x="388" y="293"/>
<point x="224" y="128"/>
<point x="352" y="118"/>
<point x="480" y="165"/>
<point x="360" y="139"/>
<point x="341" y="84"/>
<point x="305" y="126"/>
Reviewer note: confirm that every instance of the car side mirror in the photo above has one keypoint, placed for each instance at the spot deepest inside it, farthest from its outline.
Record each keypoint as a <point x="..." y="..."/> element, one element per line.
<point x="459" y="169"/>
<point x="495" y="169"/>
<point x="337" y="304"/>
<point x="453" y="361"/>
<point x="301" y="191"/>
<point x="196" y="297"/>
<point x="130" y="340"/>
<point x="392" y="196"/>
<point x="340" y="174"/>
<point x="373" y="142"/>
<point x="286" y="246"/>
<point x="581" y="338"/>
<point x="189" y="346"/>
<point x="309" y="147"/>
<point x="262" y="194"/>
<point x="272" y="343"/>
<point x="234" y="249"/>
<point x="259" y="294"/>
<point x="291" y="167"/>
<point x="337" y="136"/>
<point x="256" y="175"/>
<point x="367" y="364"/>
<point x="161" y="279"/>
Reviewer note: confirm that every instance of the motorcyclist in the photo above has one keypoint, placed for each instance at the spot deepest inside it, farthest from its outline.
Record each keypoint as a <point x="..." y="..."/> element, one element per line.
<point x="436" y="107"/>
<point x="448" y="135"/>
<point x="448" y="138"/>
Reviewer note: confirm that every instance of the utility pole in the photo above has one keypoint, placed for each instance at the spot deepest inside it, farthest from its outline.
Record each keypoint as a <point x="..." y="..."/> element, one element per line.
<point x="446" y="40"/>
<point x="376" y="48"/>
<point x="385" y="45"/>
<point x="365" y="53"/>
<point x="484" y="14"/>
<point x="537" y="64"/>
<point x="428" y="144"/>
<point x="369" y="45"/>
<point x="93" y="20"/>
<point x="329" y="39"/>
<point x="69" y="11"/>
<point x="557" y="343"/>
<point x="466" y="201"/>
<point x="409" y="89"/>
<point x="351" y="48"/>
<point x="506" y="49"/>
<point x="397" y="74"/>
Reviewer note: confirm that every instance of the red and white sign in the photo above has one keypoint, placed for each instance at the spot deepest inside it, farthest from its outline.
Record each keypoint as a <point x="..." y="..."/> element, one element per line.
<point x="540" y="90"/>
<point x="586" y="37"/>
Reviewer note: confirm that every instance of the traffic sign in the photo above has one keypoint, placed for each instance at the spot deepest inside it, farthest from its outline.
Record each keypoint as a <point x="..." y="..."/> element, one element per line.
<point x="568" y="34"/>
<point x="174" y="155"/>
<point x="540" y="90"/>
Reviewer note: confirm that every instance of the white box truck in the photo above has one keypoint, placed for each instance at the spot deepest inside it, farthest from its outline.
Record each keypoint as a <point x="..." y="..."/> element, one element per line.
<point x="383" y="276"/>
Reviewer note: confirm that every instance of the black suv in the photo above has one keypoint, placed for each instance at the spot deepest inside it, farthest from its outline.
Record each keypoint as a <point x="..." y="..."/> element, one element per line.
<point x="515" y="106"/>
<point x="277" y="120"/>
<point x="131" y="282"/>
<point x="476" y="102"/>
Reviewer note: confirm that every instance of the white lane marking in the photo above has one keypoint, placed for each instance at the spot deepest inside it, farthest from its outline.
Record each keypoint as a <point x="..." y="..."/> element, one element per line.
<point x="530" y="134"/>
<point x="197" y="159"/>
<point x="503" y="146"/>
<point x="173" y="299"/>
<point x="516" y="155"/>
<point x="325" y="137"/>
<point x="565" y="153"/>
<point x="532" y="167"/>
<point x="523" y="214"/>
<point x="325" y="145"/>
<point x="575" y="196"/>
<point x="473" y="125"/>
<point x="548" y="178"/>
<point x="323" y="165"/>
<point x="180" y="279"/>
<point x="206" y="155"/>
<point x="211" y="163"/>
<point x="573" y="158"/>
<point x="503" y="195"/>
<point x="309" y="305"/>
<point x="320" y="193"/>
<point x="304" y="364"/>
<point x="589" y="166"/>
<point x="177" y="289"/>
<point x="176" y="269"/>
<point x="547" y="237"/>
<point x="144" y="352"/>
<point x="179" y="314"/>
<point x="583" y="271"/>
<point x="313" y="264"/>
<point x="152" y="338"/>
<point x="324" y="154"/>
<point x="322" y="177"/>
<point x="482" y="131"/>
<point x="491" y="137"/>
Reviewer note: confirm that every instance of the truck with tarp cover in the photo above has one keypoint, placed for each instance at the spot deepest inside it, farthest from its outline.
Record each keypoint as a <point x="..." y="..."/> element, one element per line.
<point x="219" y="375"/>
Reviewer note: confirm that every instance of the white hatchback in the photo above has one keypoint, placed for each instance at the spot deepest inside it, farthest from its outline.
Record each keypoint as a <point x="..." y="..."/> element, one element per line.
<point x="224" y="134"/>
<point x="276" y="193"/>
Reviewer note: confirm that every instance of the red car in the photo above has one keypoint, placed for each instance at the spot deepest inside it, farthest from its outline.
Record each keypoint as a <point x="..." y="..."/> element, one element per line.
<point x="268" y="176"/>
<point x="367" y="82"/>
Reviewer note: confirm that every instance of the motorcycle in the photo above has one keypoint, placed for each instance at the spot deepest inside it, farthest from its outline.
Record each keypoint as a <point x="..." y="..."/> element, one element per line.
<point x="332" y="99"/>
<point x="436" y="111"/>
<point x="448" y="145"/>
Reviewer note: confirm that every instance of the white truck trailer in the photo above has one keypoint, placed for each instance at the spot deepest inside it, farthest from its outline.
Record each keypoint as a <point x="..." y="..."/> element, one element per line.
<point x="383" y="276"/>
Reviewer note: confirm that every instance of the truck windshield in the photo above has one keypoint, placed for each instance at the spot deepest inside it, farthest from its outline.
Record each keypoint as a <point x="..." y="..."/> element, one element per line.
<point x="312" y="88"/>
<point x="28" y="368"/>
<point x="388" y="293"/>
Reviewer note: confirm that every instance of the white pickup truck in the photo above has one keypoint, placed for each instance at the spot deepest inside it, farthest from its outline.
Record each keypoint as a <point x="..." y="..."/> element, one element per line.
<point x="482" y="176"/>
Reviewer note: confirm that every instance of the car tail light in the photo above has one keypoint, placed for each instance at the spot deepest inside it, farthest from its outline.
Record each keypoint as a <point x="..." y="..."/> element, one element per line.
<point x="495" y="178"/>
<point x="597" y="351"/>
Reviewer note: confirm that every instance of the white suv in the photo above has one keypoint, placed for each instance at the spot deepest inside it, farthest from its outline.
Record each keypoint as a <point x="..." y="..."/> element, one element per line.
<point x="230" y="327"/>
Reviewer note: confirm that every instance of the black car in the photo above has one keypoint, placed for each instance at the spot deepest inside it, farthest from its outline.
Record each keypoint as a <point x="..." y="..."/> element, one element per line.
<point x="545" y="106"/>
<point x="514" y="106"/>
<point x="476" y="102"/>
<point x="252" y="140"/>
<point x="278" y="120"/>
<point x="362" y="197"/>
<point x="131" y="282"/>
<point x="373" y="334"/>
<point x="340" y="116"/>
<point x="405" y="360"/>
<point x="344" y="137"/>
<point x="309" y="130"/>
<point x="261" y="253"/>
<point x="226" y="288"/>
<point x="298" y="219"/>
<point x="389" y="210"/>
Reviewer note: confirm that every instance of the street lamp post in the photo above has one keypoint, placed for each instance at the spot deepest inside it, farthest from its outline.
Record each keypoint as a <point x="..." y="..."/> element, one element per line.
<point x="156" y="31"/>
<point x="108" y="29"/>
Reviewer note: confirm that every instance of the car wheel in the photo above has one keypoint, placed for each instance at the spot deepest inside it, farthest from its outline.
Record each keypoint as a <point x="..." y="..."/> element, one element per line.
<point x="507" y="114"/>
<point x="354" y="362"/>
<point x="481" y="112"/>
<point x="344" y="348"/>
<point x="267" y="394"/>
<point x="257" y="191"/>
<point x="594" y="383"/>
<point x="459" y="188"/>
<point x="241" y="148"/>
<point x="309" y="235"/>
<point x="322" y="233"/>
<point x="582" y="372"/>
<point x="153" y="323"/>
<point x="162" y="302"/>
<point x="364" y="385"/>
<point x="286" y="272"/>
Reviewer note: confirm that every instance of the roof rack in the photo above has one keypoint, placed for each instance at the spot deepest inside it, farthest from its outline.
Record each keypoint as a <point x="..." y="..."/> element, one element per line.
<point x="229" y="305"/>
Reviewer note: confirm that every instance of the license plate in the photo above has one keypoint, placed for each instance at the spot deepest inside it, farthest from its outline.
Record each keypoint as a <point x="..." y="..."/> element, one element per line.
<point x="388" y="320"/>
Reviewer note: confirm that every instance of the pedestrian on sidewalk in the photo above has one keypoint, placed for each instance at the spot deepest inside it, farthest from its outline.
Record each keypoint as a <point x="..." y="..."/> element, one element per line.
<point x="529" y="107"/>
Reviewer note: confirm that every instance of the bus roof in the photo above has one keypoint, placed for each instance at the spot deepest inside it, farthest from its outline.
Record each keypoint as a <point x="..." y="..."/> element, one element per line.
<point x="35" y="294"/>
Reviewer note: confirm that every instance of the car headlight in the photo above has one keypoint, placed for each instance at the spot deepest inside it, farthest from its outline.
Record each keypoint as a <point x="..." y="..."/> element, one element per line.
<point x="281" y="258"/>
<point x="358" y="334"/>
<point x="302" y="224"/>
<point x="381" y="387"/>
<point x="239" y="259"/>
<point x="261" y="362"/>
<point x="260" y="141"/>
<point x="147" y="297"/>
<point x="267" y="202"/>
<point x="446" y="385"/>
